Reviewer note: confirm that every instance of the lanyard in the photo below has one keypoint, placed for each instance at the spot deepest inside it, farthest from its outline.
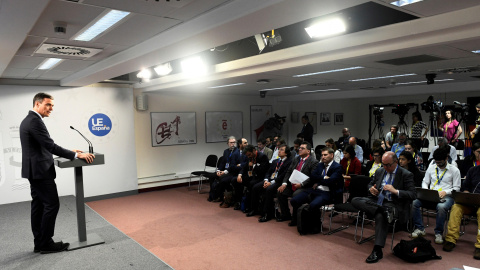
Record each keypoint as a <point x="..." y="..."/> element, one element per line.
<point x="348" y="166"/>
<point x="441" y="177"/>
<point x="300" y="165"/>
<point x="398" y="148"/>
<point x="279" y="164"/>
<point x="476" y="163"/>
<point x="391" y="176"/>
<point x="372" y="173"/>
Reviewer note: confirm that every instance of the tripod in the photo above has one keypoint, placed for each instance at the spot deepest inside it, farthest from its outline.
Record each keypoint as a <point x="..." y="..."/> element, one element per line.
<point x="402" y="125"/>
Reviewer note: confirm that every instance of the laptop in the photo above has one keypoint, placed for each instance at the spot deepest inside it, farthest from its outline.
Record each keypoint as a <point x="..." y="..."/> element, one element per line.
<point x="428" y="195"/>
<point x="468" y="199"/>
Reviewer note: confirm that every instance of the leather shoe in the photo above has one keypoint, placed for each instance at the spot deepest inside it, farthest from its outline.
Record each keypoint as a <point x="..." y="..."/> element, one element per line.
<point x="54" y="247"/>
<point x="251" y="213"/>
<point x="264" y="218"/>
<point x="374" y="257"/>
<point x="218" y="200"/>
<point x="476" y="254"/>
<point x="237" y="206"/>
<point x="224" y="205"/>
<point x="282" y="218"/>
<point x="292" y="223"/>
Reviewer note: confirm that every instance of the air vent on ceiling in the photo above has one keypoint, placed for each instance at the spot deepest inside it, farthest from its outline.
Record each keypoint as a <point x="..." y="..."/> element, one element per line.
<point x="416" y="59"/>
<point x="457" y="70"/>
<point x="64" y="50"/>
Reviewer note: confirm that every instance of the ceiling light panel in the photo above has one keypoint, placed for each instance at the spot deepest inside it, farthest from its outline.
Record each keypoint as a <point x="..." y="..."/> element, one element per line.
<point x="100" y="25"/>
<point x="384" y="77"/>
<point x="279" y="88"/>
<point x="49" y="63"/>
<point x="227" y="85"/>
<point x="324" y="90"/>
<point x="326" y="28"/>
<point x="327" y="71"/>
<point x="402" y="3"/>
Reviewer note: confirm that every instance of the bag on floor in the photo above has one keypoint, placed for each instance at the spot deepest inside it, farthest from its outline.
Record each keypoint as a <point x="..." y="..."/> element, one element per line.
<point x="416" y="250"/>
<point x="228" y="197"/>
<point x="308" y="221"/>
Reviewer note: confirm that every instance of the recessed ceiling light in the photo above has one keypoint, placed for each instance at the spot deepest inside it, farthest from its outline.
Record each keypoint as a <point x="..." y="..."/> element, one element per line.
<point x="327" y="71"/>
<point x="325" y="90"/>
<point x="100" y="25"/>
<point x="226" y="85"/>
<point x="263" y="81"/>
<point x="163" y="69"/>
<point x="49" y="63"/>
<point x="279" y="88"/>
<point x="444" y="80"/>
<point x="145" y="74"/>
<point x="326" y="28"/>
<point x="194" y="66"/>
<point x="402" y="3"/>
<point x="384" y="77"/>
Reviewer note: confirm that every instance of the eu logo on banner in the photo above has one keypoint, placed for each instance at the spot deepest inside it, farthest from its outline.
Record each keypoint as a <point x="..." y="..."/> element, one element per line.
<point x="100" y="124"/>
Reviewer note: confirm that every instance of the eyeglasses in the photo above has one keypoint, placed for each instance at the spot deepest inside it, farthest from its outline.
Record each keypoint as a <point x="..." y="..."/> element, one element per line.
<point x="302" y="148"/>
<point x="388" y="165"/>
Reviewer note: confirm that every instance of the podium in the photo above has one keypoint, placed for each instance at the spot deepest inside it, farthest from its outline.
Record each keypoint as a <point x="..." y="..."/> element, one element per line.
<point x="83" y="239"/>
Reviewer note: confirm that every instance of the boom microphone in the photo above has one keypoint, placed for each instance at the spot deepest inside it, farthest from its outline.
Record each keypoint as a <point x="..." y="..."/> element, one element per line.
<point x="461" y="104"/>
<point x="90" y="145"/>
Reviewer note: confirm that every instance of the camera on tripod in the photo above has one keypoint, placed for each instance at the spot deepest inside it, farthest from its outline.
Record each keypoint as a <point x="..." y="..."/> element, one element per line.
<point x="400" y="109"/>
<point x="432" y="105"/>
<point x="378" y="110"/>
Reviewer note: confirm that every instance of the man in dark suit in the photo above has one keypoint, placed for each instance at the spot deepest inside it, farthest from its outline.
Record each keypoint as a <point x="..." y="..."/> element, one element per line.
<point x="307" y="130"/>
<point x="251" y="173"/>
<point x="305" y="163"/>
<point x="273" y="180"/>
<point x="391" y="191"/>
<point x="343" y="141"/>
<point x="324" y="185"/>
<point x="39" y="169"/>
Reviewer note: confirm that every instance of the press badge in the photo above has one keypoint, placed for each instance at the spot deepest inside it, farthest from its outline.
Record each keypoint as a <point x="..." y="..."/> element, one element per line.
<point x="226" y="165"/>
<point x="250" y="173"/>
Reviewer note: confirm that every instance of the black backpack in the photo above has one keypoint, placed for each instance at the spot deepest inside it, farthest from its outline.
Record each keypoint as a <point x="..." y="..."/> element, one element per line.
<point x="416" y="250"/>
<point x="308" y="220"/>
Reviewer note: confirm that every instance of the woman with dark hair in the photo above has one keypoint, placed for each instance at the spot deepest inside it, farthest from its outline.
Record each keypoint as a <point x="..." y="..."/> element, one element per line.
<point x="417" y="157"/>
<point x="376" y="144"/>
<point x="451" y="128"/>
<point x="471" y="161"/>
<point x="376" y="163"/>
<point x="417" y="135"/>
<point x="406" y="161"/>
<point x="350" y="164"/>
<point x="337" y="156"/>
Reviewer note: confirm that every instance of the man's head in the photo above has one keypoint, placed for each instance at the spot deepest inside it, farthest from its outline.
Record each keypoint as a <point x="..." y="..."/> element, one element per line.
<point x="304" y="119"/>
<point x="352" y="141"/>
<point x="261" y="144"/>
<point x="232" y="142"/>
<point x="283" y="151"/>
<point x="269" y="141"/>
<point x="304" y="149"/>
<point x="43" y="104"/>
<point x="389" y="161"/>
<point x="402" y="138"/>
<point x="250" y="151"/>
<point x="442" y="142"/>
<point x="242" y="143"/>
<point x="393" y="129"/>
<point x="346" y="132"/>
<point x="300" y="136"/>
<point x="441" y="157"/>
<point x="477" y="107"/>
<point x="296" y="144"/>
<point x="280" y="141"/>
<point x="327" y="155"/>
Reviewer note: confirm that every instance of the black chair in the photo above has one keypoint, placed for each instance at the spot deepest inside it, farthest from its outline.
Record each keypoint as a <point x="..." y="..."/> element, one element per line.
<point x="358" y="188"/>
<point x="210" y="167"/>
<point x="318" y="151"/>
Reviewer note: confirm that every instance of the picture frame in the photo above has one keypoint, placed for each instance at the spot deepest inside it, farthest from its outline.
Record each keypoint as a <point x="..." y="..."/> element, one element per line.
<point x="221" y="125"/>
<point x="325" y="118"/>
<point x="338" y="119"/>
<point x="173" y="128"/>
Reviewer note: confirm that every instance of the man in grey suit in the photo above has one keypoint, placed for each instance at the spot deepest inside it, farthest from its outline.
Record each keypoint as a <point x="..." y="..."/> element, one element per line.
<point x="391" y="191"/>
<point x="306" y="164"/>
<point x="38" y="168"/>
<point x="262" y="148"/>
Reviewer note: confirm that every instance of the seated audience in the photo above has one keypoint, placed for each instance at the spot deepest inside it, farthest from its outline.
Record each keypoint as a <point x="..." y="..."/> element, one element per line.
<point x="251" y="173"/>
<point x="471" y="161"/>
<point x="261" y="146"/>
<point x="373" y="165"/>
<point x="397" y="148"/>
<point x="268" y="188"/>
<point x="444" y="178"/>
<point x="323" y="186"/>
<point x="358" y="149"/>
<point x="337" y="156"/>
<point x="406" y="161"/>
<point x="269" y="141"/>
<point x="343" y="141"/>
<point x="417" y="156"/>
<point x="376" y="144"/>
<point x="227" y="170"/>
<point x="278" y="142"/>
<point x="392" y="137"/>
<point x="350" y="164"/>
<point x="452" y="152"/>
<point x="296" y="145"/>
<point x="471" y="184"/>
<point x="305" y="163"/>
<point x="392" y="190"/>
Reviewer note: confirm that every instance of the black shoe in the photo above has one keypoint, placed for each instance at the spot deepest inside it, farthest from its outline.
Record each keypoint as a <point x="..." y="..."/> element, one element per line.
<point x="252" y="213"/>
<point x="265" y="218"/>
<point x="292" y="223"/>
<point x="476" y="254"/>
<point x="283" y="218"/>
<point x="448" y="246"/>
<point x="209" y="199"/>
<point x="36" y="249"/>
<point x="237" y="206"/>
<point x="54" y="247"/>
<point x="375" y="256"/>
<point x="218" y="200"/>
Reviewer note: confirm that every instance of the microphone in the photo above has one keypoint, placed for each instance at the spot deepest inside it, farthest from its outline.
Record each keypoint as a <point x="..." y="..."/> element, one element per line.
<point x="461" y="104"/>
<point x="90" y="145"/>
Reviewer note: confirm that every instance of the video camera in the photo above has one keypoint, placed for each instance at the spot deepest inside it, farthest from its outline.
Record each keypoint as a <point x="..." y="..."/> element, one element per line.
<point x="378" y="110"/>
<point x="401" y="109"/>
<point x="432" y="105"/>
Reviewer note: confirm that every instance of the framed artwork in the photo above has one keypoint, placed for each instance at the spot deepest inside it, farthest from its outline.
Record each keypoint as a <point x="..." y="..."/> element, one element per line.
<point x="221" y="125"/>
<point x="325" y="119"/>
<point x="312" y="118"/>
<point x="259" y="114"/>
<point x="338" y="118"/>
<point x="173" y="128"/>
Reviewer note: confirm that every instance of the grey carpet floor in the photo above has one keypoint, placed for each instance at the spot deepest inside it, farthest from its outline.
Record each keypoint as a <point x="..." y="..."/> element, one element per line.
<point x="118" y="252"/>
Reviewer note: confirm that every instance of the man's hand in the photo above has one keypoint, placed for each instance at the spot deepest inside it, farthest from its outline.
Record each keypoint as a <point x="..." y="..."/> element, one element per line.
<point x="281" y="188"/>
<point x="391" y="189"/>
<point x="442" y="194"/>
<point x="266" y="184"/>
<point x="374" y="190"/>
<point x="220" y="173"/>
<point x="298" y="186"/>
<point x="86" y="156"/>
<point x="77" y="151"/>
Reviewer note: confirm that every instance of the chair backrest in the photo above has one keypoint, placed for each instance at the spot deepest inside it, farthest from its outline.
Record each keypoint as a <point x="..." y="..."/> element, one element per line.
<point x="211" y="161"/>
<point x="219" y="161"/>
<point x="359" y="186"/>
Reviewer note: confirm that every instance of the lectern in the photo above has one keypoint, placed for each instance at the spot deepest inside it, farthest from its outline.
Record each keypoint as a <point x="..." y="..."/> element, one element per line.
<point x="83" y="239"/>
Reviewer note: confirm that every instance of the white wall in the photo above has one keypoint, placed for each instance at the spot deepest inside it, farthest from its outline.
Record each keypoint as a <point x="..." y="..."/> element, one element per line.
<point x="73" y="106"/>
